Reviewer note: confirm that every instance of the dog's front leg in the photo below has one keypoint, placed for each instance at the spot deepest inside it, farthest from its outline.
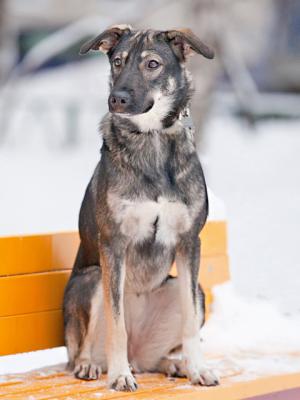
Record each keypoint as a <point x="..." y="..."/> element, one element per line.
<point x="187" y="262"/>
<point x="112" y="258"/>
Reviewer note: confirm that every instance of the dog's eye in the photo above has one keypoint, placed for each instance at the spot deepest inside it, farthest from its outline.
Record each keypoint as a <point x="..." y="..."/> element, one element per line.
<point x="152" y="64"/>
<point x="117" y="62"/>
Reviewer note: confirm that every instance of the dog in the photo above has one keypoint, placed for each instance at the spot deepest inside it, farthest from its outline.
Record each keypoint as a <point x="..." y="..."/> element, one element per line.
<point x="143" y="209"/>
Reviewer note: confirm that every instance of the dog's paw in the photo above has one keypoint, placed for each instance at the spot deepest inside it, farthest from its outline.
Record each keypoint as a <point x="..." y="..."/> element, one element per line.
<point x="124" y="383"/>
<point x="202" y="376"/>
<point x="172" y="368"/>
<point x="87" y="371"/>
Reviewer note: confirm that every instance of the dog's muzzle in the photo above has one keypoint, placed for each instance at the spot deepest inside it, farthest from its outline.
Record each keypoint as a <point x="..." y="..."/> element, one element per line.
<point x="119" y="101"/>
<point x="122" y="102"/>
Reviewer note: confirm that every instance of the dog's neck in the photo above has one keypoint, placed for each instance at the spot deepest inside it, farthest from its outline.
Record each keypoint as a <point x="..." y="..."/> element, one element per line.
<point x="144" y="150"/>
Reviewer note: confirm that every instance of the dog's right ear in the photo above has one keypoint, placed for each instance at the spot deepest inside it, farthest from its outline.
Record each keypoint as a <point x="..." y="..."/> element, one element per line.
<point x="107" y="40"/>
<point x="185" y="43"/>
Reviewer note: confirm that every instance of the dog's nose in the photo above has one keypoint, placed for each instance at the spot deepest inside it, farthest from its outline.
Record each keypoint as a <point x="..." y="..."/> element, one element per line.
<point x="118" y="101"/>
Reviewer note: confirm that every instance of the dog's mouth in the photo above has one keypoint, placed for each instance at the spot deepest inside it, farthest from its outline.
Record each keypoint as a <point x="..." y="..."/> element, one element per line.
<point x="150" y="106"/>
<point x="134" y="113"/>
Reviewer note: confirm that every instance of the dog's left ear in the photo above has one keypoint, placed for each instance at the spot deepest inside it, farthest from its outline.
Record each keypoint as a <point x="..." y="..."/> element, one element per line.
<point x="107" y="40"/>
<point x="185" y="44"/>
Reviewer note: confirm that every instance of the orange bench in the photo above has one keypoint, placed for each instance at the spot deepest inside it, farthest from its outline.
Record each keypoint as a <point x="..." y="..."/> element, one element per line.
<point x="33" y="273"/>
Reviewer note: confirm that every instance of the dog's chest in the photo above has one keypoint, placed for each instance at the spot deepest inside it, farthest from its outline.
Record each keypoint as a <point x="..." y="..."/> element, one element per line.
<point x="161" y="221"/>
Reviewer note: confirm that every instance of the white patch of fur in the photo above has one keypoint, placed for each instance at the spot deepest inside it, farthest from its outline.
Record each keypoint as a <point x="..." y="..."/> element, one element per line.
<point x="171" y="85"/>
<point x="192" y="351"/>
<point x="193" y="362"/>
<point x="124" y="54"/>
<point x="152" y="120"/>
<point x="136" y="218"/>
<point x="174" y="219"/>
<point x="145" y="53"/>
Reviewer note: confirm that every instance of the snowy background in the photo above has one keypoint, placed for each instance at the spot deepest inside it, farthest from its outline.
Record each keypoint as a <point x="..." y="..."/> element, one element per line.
<point x="49" y="146"/>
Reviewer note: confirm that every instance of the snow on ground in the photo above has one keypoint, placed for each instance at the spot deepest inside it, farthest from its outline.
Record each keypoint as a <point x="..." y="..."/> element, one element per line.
<point x="256" y="172"/>
<point x="28" y="361"/>
<point x="251" y="326"/>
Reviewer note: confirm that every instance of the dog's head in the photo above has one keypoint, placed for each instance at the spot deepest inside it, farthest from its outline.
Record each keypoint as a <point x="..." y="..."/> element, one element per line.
<point x="149" y="84"/>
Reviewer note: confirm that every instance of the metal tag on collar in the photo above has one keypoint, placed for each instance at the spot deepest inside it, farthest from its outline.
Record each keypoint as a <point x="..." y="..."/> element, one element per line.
<point x="186" y="119"/>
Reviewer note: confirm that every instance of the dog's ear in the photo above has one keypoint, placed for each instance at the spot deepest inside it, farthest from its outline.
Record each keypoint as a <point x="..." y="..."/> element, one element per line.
<point x="185" y="44"/>
<point x="107" y="40"/>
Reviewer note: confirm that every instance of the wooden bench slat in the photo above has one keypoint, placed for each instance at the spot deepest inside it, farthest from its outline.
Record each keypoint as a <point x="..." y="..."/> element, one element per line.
<point x="214" y="270"/>
<point x="214" y="239"/>
<point x="30" y="332"/>
<point x="48" y="252"/>
<point x="37" y="253"/>
<point x="23" y="294"/>
<point x="151" y="386"/>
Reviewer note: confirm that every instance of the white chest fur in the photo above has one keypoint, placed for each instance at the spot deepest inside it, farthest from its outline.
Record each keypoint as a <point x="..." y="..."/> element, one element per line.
<point x="162" y="220"/>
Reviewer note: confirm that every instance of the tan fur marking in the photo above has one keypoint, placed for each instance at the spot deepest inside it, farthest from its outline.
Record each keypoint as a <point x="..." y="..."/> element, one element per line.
<point x="122" y="27"/>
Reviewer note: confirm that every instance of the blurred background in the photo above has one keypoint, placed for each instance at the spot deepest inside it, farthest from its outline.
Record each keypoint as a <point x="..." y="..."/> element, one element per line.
<point x="246" y="110"/>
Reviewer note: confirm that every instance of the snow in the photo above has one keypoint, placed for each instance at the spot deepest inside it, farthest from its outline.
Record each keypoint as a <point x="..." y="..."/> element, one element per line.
<point x="256" y="172"/>
<point x="245" y="316"/>
<point x="250" y="339"/>
<point x="24" y="362"/>
<point x="255" y="325"/>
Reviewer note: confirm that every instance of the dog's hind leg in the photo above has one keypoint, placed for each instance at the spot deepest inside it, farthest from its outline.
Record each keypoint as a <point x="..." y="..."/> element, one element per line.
<point x="154" y="324"/>
<point x="84" y="323"/>
<point x="155" y="321"/>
